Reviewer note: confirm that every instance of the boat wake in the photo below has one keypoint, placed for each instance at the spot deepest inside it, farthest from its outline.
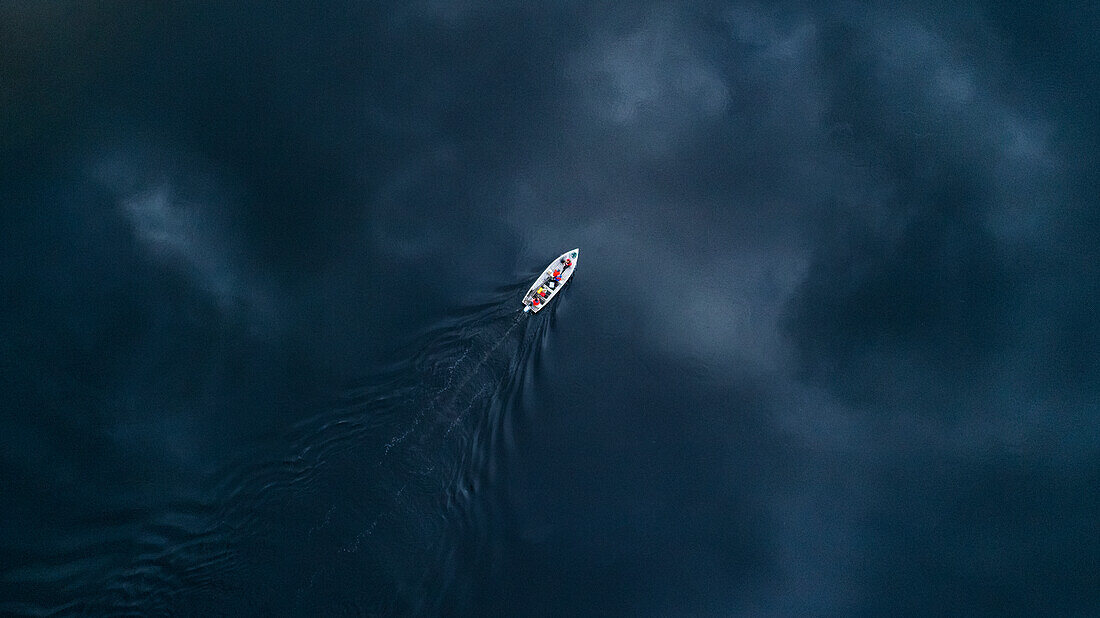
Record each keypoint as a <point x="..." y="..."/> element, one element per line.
<point x="366" y="495"/>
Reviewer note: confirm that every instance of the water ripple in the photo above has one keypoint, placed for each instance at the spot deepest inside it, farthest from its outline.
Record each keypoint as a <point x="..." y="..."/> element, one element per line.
<point x="402" y="452"/>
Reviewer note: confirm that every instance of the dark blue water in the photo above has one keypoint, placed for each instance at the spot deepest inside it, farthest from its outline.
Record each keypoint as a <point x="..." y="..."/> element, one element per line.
<point x="830" y="348"/>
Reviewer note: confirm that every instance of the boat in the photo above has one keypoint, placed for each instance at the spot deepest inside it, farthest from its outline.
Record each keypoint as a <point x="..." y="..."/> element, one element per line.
<point x="550" y="282"/>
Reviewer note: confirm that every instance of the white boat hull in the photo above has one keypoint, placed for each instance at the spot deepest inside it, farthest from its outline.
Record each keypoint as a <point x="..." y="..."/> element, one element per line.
<point x="547" y="286"/>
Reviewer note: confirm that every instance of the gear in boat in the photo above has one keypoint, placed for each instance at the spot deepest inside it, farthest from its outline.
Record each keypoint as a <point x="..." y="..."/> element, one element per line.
<point x="551" y="281"/>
